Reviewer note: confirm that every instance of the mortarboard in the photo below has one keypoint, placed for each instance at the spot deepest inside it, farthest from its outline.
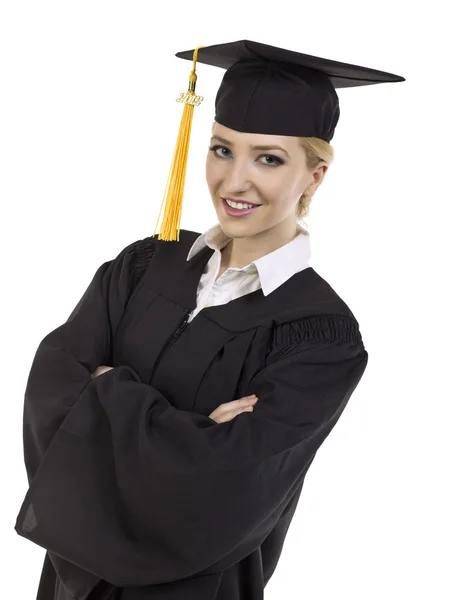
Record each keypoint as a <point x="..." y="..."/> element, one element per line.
<point x="266" y="90"/>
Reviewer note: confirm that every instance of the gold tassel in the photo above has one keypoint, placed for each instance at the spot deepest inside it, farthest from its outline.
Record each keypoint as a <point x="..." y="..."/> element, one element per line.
<point x="174" y="189"/>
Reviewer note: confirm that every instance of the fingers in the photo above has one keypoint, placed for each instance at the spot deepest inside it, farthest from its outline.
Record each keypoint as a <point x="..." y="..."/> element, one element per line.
<point x="100" y="370"/>
<point x="229" y="410"/>
<point x="245" y="401"/>
<point x="235" y="407"/>
<point x="238" y="405"/>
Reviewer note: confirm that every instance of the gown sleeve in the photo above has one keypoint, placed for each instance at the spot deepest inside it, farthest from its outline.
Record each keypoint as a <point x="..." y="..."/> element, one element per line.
<point x="67" y="357"/>
<point x="140" y="492"/>
<point x="62" y="367"/>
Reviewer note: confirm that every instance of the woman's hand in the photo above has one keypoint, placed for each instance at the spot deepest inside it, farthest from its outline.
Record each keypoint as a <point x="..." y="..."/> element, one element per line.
<point x="100" y="370"/>
<point x="228" y="410"/>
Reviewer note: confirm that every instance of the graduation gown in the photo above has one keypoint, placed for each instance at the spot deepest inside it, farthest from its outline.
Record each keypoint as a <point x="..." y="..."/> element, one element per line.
<point x="134" y="491"/>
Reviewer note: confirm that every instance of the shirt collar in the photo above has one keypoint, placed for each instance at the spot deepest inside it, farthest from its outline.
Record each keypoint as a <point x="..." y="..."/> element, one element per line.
<point x="273" y="268"/>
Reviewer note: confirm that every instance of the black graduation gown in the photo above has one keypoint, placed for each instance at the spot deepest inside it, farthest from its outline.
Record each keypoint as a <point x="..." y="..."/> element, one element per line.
<point x="134" y="491"/>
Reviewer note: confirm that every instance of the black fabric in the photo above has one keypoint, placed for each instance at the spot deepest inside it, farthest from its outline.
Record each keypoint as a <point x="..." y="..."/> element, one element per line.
<point x="276" y="91"/>
<point x="58" y="374"/>
<point x="141" y="255"/>
<point x="133" y="488"/>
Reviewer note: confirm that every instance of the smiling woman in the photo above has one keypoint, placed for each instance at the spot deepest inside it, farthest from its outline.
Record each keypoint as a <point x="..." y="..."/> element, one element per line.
<point x="270" y="171"/>
<point x="317" y="152"/>
<point x="129" y="474"/>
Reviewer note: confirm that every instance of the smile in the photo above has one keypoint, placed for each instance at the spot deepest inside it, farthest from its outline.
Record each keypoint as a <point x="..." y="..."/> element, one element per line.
<point x="238" y="212"/>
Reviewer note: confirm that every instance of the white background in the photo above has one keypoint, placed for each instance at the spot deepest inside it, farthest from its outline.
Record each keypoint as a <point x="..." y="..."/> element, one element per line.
<point x="88" y="127"/>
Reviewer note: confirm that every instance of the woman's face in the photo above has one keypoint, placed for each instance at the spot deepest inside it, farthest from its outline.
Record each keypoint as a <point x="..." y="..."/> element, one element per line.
<point x="274" y="177"/>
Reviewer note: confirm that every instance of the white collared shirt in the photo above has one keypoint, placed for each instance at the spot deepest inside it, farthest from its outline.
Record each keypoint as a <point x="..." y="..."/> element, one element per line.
<point x="267" y="272"/>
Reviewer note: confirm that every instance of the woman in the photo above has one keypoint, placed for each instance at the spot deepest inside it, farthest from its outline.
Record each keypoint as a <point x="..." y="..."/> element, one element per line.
<point x="148" y="477"/>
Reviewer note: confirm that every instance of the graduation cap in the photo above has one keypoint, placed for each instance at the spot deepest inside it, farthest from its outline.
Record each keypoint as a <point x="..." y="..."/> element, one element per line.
<point x="266" y="90"/>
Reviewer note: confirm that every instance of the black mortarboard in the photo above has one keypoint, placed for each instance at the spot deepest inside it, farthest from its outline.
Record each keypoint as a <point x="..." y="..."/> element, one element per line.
<point x="266" y="90"/>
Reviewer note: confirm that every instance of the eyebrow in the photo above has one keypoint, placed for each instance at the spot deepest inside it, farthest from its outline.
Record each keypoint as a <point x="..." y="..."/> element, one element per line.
<point x="220" y="139"/>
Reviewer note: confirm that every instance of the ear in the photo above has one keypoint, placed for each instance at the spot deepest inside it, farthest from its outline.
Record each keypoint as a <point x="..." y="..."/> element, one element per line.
<point x="317" y="178"/>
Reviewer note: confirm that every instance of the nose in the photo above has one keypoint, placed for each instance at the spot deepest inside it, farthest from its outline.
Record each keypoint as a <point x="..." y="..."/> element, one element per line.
<point x="237" y="179"/>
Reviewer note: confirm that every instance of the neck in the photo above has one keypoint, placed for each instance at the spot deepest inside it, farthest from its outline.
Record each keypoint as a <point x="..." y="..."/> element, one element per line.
<point x="240" y="252"/>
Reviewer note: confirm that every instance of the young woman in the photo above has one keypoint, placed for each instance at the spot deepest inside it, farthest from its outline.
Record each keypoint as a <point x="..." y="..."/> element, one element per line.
<point x="153" y="473"/>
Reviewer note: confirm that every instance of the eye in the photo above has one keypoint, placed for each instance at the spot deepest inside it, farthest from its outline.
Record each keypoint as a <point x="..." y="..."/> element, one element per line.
<point x="215" y="148"/>
<point x="277" y="161"/>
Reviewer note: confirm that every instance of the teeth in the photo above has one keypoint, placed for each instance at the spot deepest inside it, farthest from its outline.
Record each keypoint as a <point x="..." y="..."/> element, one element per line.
<point x="239" y="205"/>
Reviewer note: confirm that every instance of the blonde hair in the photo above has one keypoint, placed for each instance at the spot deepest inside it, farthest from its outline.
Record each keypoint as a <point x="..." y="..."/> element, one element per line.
<point x="317" y="151"/>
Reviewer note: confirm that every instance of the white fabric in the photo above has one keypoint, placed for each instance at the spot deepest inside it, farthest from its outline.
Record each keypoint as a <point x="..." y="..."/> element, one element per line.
<point x="267" y="272"/>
